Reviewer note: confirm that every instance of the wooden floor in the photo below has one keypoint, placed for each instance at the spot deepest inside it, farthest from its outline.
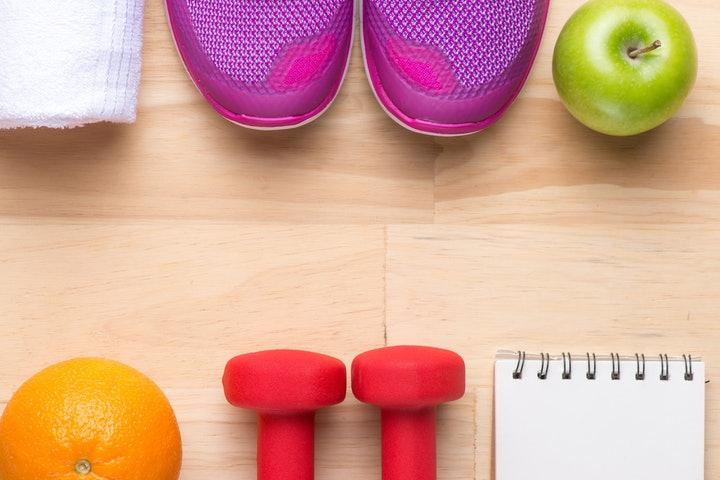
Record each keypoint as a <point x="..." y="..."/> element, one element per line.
<point x="178" y="242"/>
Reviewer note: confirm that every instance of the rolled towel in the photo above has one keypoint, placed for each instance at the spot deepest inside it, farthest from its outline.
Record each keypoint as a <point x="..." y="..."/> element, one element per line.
<point x="66" y="63"/>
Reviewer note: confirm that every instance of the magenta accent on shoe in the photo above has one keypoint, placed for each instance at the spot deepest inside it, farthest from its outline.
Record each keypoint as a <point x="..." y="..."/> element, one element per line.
<point x="264" y="64"/>
<point x="425" y="66"/>
<point x="300" y="63"/>
<point x="489" y="45"/>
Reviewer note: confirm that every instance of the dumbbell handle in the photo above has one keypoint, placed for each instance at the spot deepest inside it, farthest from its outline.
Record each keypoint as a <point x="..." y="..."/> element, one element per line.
<point x="408" y="444"/>
<point x="286" y="446"/>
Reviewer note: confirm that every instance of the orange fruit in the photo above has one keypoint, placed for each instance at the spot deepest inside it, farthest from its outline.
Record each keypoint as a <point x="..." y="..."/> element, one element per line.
<point x="89" y="419"/>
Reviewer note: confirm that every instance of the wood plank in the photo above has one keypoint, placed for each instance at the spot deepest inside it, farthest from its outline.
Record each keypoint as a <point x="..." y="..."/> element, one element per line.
<point x="177" y="300"/>
<point x="539" y="165"/>
<point x="180" y="241"/>
<point x="634" y="289"/>
<point x="181" y="160"/>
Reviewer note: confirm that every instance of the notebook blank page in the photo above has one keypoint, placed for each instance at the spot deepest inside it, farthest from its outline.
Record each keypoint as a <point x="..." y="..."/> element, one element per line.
<point x="601" y="429"/>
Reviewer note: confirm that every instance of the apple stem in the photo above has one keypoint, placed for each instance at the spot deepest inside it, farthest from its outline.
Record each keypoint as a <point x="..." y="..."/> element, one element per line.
<point x="636" y="52"/>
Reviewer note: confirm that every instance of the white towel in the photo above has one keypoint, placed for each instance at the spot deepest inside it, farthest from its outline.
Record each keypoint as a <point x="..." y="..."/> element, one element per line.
<point x="66" y="63"/>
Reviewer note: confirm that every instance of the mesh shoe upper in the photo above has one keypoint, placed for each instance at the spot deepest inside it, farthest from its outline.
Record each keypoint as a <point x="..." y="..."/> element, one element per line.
<point x="263" y="58"/>
<point x="455" y="51"/>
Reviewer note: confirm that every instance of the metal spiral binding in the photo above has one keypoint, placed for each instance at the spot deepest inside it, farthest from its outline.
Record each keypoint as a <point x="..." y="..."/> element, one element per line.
<point x="640" y="375"/>
<point x="544" y="366"/>
<point x="664" y="368"/>
<point x="590" y="375"/>
<point x="615" y="357"/>
<point x="591" y="358"/>
<point x="567" y="367"/>
<point x="688" y="368"/>
<point x="517" y="374"/>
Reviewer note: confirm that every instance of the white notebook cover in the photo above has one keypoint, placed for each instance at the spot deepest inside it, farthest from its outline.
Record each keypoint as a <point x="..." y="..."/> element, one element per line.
<point x="602" y="429"/>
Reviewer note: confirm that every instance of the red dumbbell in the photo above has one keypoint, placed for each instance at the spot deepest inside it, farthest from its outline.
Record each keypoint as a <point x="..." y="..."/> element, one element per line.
<point x="285" y="387"/>
<point x="408" y="383"/>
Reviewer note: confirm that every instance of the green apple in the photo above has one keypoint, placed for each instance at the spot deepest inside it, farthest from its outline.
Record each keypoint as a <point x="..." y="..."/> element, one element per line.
<point x="623" y="67"/>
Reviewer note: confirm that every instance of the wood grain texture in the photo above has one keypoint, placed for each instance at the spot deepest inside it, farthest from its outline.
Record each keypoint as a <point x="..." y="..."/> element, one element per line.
<point x="178" y="242"/>
<point x="181" y="160"/>
<point x="539" y="165"/>
<point x="646" y="289"/>
<point x="185" y="297"/>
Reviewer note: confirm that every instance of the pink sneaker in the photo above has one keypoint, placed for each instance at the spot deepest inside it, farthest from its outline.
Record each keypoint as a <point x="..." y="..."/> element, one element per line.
<point x="265" y="64"/>
<point x="450" y="67"/>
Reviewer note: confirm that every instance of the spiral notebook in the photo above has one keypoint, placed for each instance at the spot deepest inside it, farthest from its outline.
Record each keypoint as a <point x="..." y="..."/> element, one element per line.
<point x="599" y="417"/>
